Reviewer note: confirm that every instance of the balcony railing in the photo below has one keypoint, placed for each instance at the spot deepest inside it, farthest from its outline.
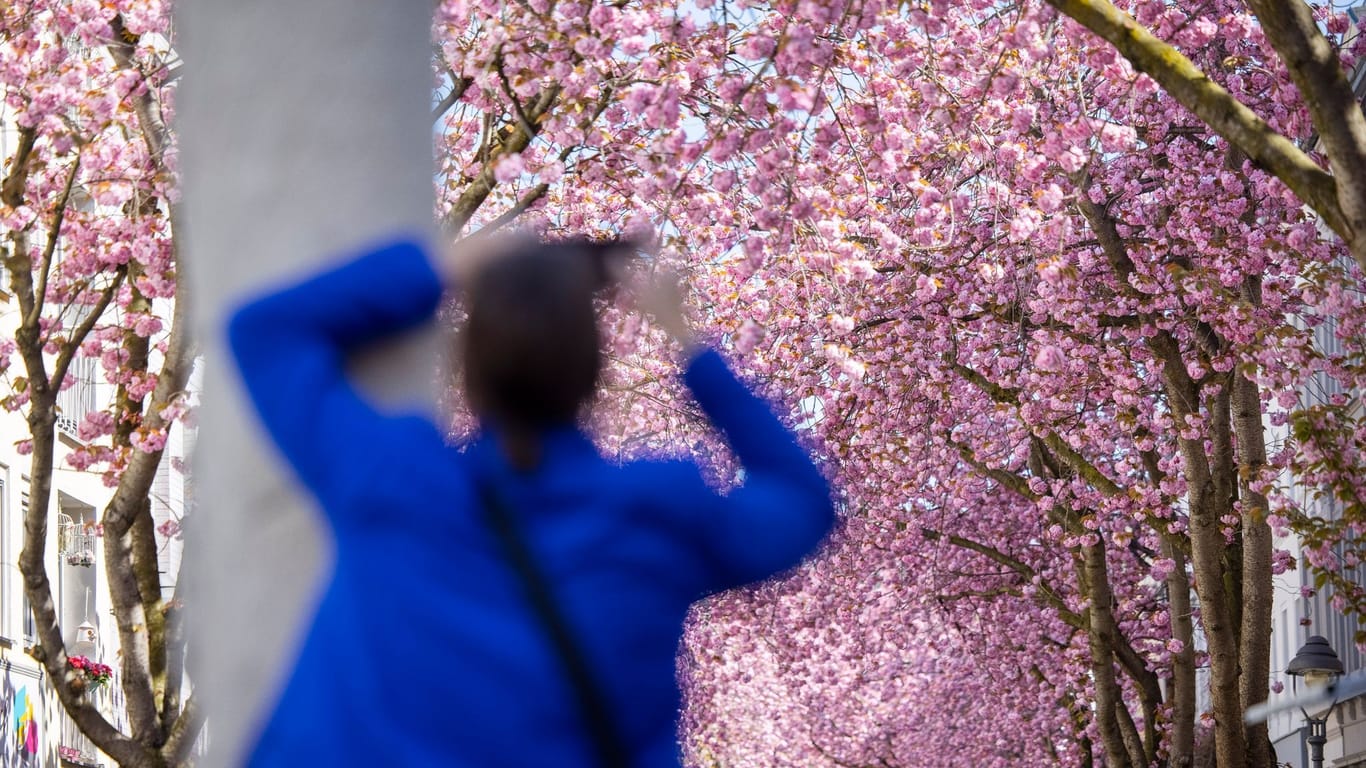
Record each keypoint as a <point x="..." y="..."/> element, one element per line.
<point x="78" y="398"/>
<point x="74" y="748"/>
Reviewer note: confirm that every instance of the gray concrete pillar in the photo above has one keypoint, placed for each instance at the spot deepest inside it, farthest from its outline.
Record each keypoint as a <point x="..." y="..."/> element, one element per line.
<point x="304" y="132"/>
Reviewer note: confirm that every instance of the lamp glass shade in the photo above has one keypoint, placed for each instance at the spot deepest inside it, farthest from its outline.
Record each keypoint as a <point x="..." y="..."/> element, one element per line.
<point x="1317" y="678"/>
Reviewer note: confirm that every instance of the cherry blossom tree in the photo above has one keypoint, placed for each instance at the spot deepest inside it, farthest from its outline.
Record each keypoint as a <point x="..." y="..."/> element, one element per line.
<point x="1319" y="51"/>
<point x="89" y="210"/>
<point x="1033" y="311"/>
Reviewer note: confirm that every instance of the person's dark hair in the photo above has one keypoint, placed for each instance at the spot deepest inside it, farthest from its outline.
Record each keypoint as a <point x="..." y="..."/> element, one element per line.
<point x="530" y="347"/>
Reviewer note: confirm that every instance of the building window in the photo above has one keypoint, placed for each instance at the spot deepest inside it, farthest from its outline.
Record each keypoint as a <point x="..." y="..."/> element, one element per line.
<point x="78" y="399"/>
<point x="30" y="626"/>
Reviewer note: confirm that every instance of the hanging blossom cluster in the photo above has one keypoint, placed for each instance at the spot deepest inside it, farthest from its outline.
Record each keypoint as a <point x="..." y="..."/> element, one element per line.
<point x="1032" y="314"/>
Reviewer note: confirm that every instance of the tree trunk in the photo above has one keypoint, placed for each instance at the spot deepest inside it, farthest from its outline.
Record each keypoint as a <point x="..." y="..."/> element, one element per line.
<point x="1210" y="486"/>
<point x="1100" y="634"/>
<point x="1257" y="600"/>
<point x="1181" y="741"/>
<point x="1181" y="695"/>
<point x="1217" y="587"/>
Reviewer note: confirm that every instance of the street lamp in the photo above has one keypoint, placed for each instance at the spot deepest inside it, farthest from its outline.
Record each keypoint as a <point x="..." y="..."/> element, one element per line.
<point x="1320" y="666"/>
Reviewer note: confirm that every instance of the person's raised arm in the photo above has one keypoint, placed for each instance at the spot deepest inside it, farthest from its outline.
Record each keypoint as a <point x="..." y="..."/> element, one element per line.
<point x="291" y="346"/>
<point x="782" y="510"/>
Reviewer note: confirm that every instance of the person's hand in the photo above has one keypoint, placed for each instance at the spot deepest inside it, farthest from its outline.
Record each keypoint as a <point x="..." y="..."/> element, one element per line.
<point x="660" y="296"/>
<point x="460" y="261"/>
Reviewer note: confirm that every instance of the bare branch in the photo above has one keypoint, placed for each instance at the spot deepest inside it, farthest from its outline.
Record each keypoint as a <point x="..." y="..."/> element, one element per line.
<point x="457" y="92"/>
<point x="54" y="236"/>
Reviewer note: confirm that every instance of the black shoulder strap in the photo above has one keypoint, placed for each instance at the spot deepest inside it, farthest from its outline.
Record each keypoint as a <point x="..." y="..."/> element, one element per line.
<point x="592" y="704"/>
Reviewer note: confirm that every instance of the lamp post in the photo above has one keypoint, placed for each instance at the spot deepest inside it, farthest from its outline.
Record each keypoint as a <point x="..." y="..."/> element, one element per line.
<point x="1319" y="665"/>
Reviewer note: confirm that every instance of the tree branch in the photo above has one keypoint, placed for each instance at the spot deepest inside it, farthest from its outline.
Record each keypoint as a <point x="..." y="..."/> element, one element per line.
<point x="1088" y="471"/>
<point x="51" y="649"/>
<point x="1094" y="577"/>
<point x="15" y="185"/>
<point x="146" y="571"/>
<point x="1223" y="113"/>
<point x="175" y="652"/>
<point x="138" y="605"/>
<point x="515" y="140"/>
<point x="1046" y="593"/>
<point x="510" y="215"/>
<point x="134" y="645"/>
<point x="1317" y="71"/>
<point x="28" y="336"/>
<point x="136" y="481"/>
<point x="1006" y="479"/>
<point x="155" y="132"/>
<point x="73" y="344"/>
<point x="458" y="87"/>
<point x="181" y="736"/>
<point x="54" y="235"/>
<point x="523" y="120"/>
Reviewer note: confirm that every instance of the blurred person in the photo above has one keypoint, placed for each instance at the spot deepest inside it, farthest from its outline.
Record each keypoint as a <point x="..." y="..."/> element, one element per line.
<point x="516" y="600"/>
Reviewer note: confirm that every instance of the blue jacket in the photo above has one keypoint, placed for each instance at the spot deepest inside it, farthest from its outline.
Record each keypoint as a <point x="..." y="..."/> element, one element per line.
<point x="424" y="650"/>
